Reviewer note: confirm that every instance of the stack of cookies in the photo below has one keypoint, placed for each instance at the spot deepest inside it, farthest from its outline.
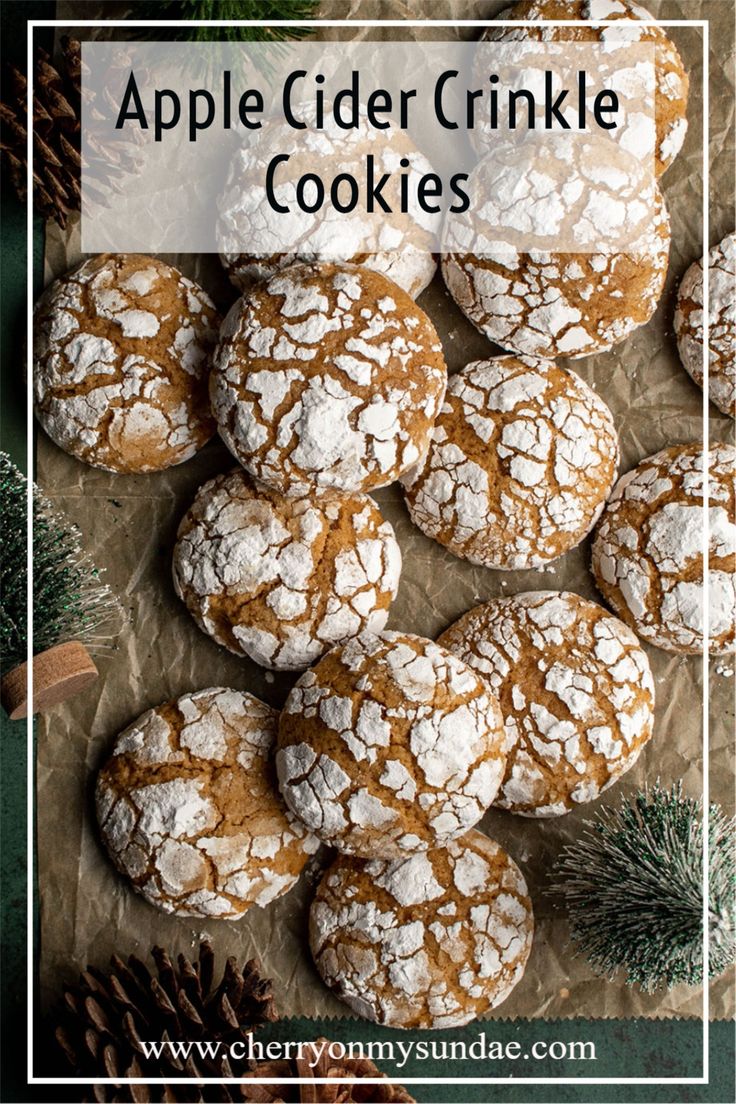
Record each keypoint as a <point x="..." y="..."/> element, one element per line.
<point x="326" y="382"/>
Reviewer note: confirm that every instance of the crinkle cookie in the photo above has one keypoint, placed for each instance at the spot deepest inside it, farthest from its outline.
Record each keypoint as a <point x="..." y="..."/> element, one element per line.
<point x="722" y="331"/>
<point x="576" y="693"/>
<point x="327" y="377"/>
<point x="189" y="811"/>
<point x="502" y="266"/>
<point x="647" y="552"/>
<point x="403" y="251"/>
<point x="427" y="941"/>
<point x="523" y="456"/>
<point x="283" y="579"/>
<point x="671" y="80"/>
<point x="122" y="348"/>
<point x="390" y="744"/>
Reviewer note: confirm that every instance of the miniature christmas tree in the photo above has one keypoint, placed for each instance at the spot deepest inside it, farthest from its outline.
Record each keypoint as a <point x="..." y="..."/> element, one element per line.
<point x="633" y="890"/>
<point x="69" y="601"/>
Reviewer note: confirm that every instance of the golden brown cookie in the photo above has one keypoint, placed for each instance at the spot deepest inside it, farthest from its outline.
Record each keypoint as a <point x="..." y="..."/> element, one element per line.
<point x="189" y="811"/>
<point x="576" y="693"/>
<point x="327" y="376"/>
<point x="647" y="552"/>
<point x="523" y="456"/>
<point x="671" y="80"/>
<point x="722" y="329"/>
<point x="390" y="744"/>
<point x="283" y="579"/>
<point x="122" y="348"/>
<point x="531" y="299"/>
<point x="427" y="941"/>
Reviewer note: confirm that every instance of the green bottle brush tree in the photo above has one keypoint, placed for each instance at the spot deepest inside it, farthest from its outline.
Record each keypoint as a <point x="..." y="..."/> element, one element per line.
<point x="632" y="887"/>
<point x="69" y="601"/>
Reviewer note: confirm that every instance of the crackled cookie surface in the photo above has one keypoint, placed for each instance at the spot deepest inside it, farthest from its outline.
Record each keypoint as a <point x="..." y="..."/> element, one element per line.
<point x="327" y="376"/>
<point x="122" y="348"/>
<point x="722" y="331"/>
<point x="390" y="744"/>
<point x="522" y="458"/>
<point x="502" y="263"/>
<point x="283" y="579"/>
<point x="189" y="811"/>
<point x="671" y="80"/>
<point x="647" y="552"/>
<point x="403" y="251"/>
<point x="575" y="689"/>
<point x="427" y="941"/>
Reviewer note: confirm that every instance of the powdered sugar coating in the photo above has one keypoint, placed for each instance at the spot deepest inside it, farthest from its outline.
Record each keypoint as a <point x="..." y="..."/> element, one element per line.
<point x="427" y="941"/>
<point x="283" y="579"/>
<point x="121" y="347"/>
<point x="722" y="331"/>
<point x="389" y="745"/>
<point x="522" y="458"/>
<point x="402" y="251"/>
<point x="671" y="81"/>
<point x="188" y="808"/>
<point x="576" y="693"/>
<point x="548" y="303"/>
<point x="327" y="376"/>
<point x="647" y="552"/>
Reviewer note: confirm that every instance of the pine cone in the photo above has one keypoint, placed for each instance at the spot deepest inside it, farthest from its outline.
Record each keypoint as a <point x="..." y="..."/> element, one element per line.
<point x="57" y="116"/>
<point x="106" y="1015"/>
<point x="355" y="1092"/>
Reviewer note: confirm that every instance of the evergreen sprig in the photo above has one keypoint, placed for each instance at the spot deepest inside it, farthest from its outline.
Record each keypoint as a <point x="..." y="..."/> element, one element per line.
<point x="272" y="10"/>
<point x="69" y="601"/>
<point x="633" y="890"/>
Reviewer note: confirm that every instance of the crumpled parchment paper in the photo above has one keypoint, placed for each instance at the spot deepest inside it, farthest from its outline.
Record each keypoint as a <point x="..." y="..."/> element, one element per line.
<point x="129" y="524"/>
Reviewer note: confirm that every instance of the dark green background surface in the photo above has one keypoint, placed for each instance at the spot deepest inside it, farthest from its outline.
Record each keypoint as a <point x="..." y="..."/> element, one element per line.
<point x="624" y="1048"/>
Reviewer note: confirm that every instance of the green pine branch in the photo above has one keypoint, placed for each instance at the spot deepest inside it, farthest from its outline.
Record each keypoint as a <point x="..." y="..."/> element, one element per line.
<point x="271" y="10"/>
<point x="69" y="601"/>
<point x="633" y="890"/>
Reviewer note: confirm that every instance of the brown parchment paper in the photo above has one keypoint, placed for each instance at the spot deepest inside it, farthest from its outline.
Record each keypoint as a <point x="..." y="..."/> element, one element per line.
<point x="129" y="525"/>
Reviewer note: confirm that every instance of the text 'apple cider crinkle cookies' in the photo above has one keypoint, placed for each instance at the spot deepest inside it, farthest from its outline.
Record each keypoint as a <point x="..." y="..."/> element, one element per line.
<point x="389" y="745"/>
<point x="327" y="376"/>
<point x="122" y="348"/>
<point x="189" y="810"/>
<point x="428" y="941"/>
<point x="575" y="689"/>
<point x="648" y="549"/>
<point x="283" y="579"/>
<point x="722" y="324"/>
<point x="522" y="458"/>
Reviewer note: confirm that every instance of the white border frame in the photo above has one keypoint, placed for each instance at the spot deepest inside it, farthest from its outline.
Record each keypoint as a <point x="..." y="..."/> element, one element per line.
<point x="30" y="776"/>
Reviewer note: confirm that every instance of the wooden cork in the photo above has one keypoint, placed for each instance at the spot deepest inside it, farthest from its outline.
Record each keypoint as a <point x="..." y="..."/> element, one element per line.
<point x="58" y="673"/>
